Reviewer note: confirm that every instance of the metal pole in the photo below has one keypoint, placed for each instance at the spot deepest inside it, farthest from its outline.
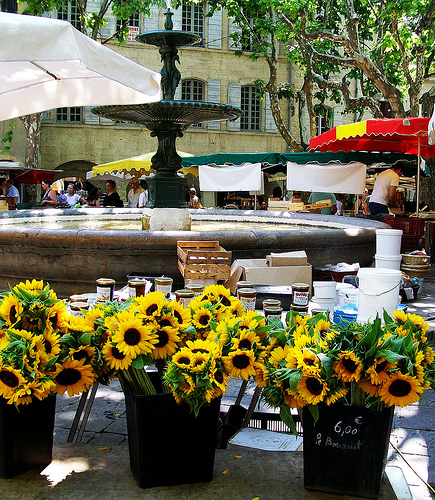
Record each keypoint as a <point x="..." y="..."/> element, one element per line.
<point x="418" y="176"/>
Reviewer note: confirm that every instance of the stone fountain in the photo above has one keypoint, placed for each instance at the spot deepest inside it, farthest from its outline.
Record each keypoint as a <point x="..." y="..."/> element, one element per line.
<point x="167" y="120"/>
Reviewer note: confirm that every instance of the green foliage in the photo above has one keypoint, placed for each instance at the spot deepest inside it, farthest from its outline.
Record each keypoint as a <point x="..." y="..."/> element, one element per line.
<point x="7" y="139"/>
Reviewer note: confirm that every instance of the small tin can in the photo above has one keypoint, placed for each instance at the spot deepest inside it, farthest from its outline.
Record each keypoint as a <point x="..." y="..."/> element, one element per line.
<point x="164" y="285"/>
<point x="319" y="310"/>
<point x="196" y="288"/>
<point x="247" y="297"/>
<point x="273" y="312"/>
<point x="78" y="298"/>
<point x="184" y="296"/>
<point x="136" y="287"/>
<point x="78" y="307"/>
<point x="105" y="289"/>
<point x="271" y="303"/>
<point x="300" y="294"/>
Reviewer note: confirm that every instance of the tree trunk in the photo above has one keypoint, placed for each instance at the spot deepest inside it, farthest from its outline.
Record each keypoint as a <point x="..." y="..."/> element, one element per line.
<point x="32" y="124"/>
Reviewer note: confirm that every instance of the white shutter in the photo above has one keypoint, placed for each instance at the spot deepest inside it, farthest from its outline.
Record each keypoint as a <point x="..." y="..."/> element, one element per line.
<point x="177" y="95"/>
<point x="214" y="95"/>
<point x="270" y="125"/>
<point x="91" y="119"/>
<point x="151" y="23"/>
<point x="176" y="19"/>
<point x="232" y="26"/>
<point x="215" y="31"/>
<point x="234" y="99"/>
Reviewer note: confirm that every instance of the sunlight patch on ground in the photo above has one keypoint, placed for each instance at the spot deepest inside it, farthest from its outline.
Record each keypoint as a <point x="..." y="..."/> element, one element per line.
<point x="58" y="470"/>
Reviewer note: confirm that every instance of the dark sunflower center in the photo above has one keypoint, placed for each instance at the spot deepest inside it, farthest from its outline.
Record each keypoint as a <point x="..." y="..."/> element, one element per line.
<point x="309" y="362"/>
<point x="203" y="351"/>
<point x="243" y="327"/>
<point x="13" y="314"/>
<point x="184" y="361"/>
<point x="178" y="316"/>
<point x="350" y="365"/>
<point x="132" y="336"/>
<point x="400" y="388"/>
<point x="9" y="379"/>
<point x="203" y="320"/>
<point x="314" y="386"/>
<point x="323" y="334"/>
<point x="163" y="338"/>
<point x="381" y="366"/>
<point x="69" y="376"/>
<point x="218" y="376"/>
<point x="225" y="300"/>
<point x="117" y="354"/>
<point x="78" y="355"/>
<point x="165" y="322"/>
<point x="245" y="344"/>
<point x="151" y="309"/>
<point x="241" y="361"/>
<point x="47" y="346"/>
<point x="33" y="321"/>
<point x="53" y="321"/>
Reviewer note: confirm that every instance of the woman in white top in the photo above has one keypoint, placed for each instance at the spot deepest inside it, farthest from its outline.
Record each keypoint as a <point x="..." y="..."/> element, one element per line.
<point x="72" y="198"/>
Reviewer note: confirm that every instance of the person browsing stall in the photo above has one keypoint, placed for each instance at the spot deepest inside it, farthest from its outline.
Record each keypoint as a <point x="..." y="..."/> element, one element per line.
<point x="12" y="195"/>
<point x="49" y="197"/>
<point x="385" y="191"/>
<point x="315" y="197"/>
<point x="112" y="198"/>
<point x="134" y="193"/>
<point x="72" y="198"/>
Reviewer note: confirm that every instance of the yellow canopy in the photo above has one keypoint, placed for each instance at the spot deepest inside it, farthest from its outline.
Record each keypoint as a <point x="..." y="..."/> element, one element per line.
<point x="136" y="166"/>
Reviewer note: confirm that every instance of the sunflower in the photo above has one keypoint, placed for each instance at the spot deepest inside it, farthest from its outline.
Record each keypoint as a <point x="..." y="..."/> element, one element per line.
<point x="200" y="361"/>
<point x="312" y="389"/>
<point x="73" y="376"/>
<point x="261" y="375"/>
<point x="349" y="367"/>
<point x="293" y="399"/>
<point x="56" y="315"/>
<point x="400" y="390"/>
<point x="22" y="395"/>
<point x="24" y="334"/>
<point x="150" y="305"/>
<point x="428" y="356"/>
<point x="43" y="388"/>
<point x="132" y="337"/>
<point x="30" y="286"/>
<point x="202" y="318"/>
<point x="220" y="379"/>
<point x="378" y="371"/>
<point x="85" y="352"/>
<point x="10" y="380"/>
<point x="52" y="344"/>
<point x="245" y="341"/>
<point x="322" y="328"/>
<point x="308" y="361"/>
<point x="183" y="358"/>
<point x="11" y="309"/>
<point x="280" y="354"/>
<point x="29" y="323"/>
<point x="180" y="313"/>
<point x="236" y="308"/>
<point x="335" y="393"/>
<point x="167" y="339"/>
<point x="367" y="386"/>
<point x="240" y="364"/>
<point x="400" y="315"/>
<point x="116" y="359"/>
<point x="204" y="346"/>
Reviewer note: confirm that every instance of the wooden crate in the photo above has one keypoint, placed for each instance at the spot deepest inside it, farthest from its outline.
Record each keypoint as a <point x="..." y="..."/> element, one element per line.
<point x="203" y="260"/>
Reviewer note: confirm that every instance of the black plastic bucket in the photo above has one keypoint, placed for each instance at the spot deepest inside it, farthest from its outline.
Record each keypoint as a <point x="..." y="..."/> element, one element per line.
<point x="345" y="451"/>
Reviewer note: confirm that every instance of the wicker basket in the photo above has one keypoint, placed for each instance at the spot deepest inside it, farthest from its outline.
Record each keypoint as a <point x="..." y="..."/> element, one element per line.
<point x="414" y="259"/>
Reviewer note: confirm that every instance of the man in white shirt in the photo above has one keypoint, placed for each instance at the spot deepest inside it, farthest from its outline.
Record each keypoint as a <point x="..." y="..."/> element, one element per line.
<point x="384" y="191"/>
<point x="12" y="195"/>
<point x="134" y="193"/>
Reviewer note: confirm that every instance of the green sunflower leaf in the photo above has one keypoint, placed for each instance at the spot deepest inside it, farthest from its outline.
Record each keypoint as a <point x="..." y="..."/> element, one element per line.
<point x="138" y="363"/>
<point x="85" y="339"/>
<point x="287" y="418"/>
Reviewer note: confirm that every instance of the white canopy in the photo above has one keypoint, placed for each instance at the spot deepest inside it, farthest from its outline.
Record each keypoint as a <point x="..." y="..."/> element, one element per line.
<point x="46" y="63"/>
<point x="230" y="178"/>
<point x="331" y="178"/>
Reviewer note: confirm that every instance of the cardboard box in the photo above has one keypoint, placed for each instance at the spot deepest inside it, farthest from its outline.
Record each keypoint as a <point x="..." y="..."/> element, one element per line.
<point x="298" y="258"/>
<point x="260" y="273"/>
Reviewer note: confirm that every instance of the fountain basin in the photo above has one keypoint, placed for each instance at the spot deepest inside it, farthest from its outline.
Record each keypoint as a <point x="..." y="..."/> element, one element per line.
<point x="72" y="259"/>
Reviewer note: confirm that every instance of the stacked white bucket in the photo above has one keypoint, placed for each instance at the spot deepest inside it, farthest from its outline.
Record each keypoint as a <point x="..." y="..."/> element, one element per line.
<point x="324" y="295"/>
<point x="379" y="286"/>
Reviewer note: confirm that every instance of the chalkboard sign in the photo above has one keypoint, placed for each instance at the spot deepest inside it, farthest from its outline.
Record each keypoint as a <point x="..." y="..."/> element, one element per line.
<point x="345" y="451"/>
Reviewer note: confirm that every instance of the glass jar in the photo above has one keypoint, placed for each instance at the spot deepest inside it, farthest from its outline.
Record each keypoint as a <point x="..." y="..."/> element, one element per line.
<point x="243" y="284"/>
<point x="105" y="289"/>
<point x="184" y="296"/>
<point x="136" y="287"/>
<point x="196" y="288"/>
<point x="273" y="312"/>
<point x="300" y="294"/>
<point x="271" y="303"/>
<point x="164" y="285"/>
<point x="78" y="298"/>
<point x="303" y="310"/>
<point x="247" y="297"/>
<point x="78" y="307"/>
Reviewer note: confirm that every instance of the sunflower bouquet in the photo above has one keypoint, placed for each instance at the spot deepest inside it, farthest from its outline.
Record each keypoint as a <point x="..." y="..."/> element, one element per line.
<point x="315" y="362"/>
<point x="43" y="349"/>
<point x="228" y="342"/>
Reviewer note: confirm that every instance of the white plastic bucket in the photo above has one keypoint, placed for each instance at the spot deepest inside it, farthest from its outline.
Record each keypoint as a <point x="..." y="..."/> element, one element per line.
<point x="388" y="261"/>
<point x="388" y="241"/>
<point x="323" y="304"/>
<point x="324" y="289"/>
<point x="339" y="297"/>
<point x="349" y="296"/>
<point x="378" y="290"/>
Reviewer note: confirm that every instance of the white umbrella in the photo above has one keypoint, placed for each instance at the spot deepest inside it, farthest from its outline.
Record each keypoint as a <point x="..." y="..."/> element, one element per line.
<point x="47" y="64"/>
